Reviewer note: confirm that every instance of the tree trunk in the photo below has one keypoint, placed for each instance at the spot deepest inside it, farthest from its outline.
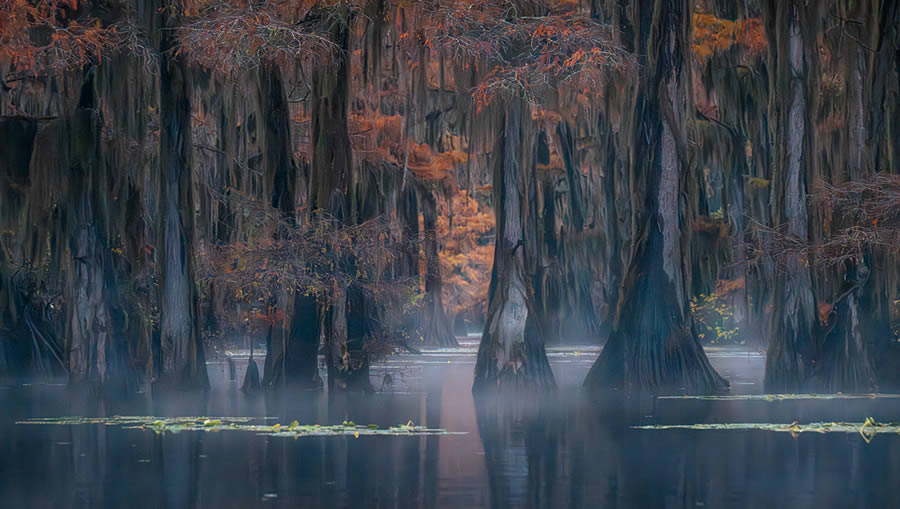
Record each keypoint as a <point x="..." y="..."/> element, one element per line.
<point x="845" y="362"/>
<point x="737" y="219"/>
<point x="332" y="176"/>
<point x="293" y="359"/>
<point x="652" y="345"/>
<point x="183" y="359"/>
<point x="792" y="329"/>
<point x="346" y="329"/>
<point x="438" y="329"/>
<point x="883" y="140"/>
<point x="292" y="353"/>
<point x="612" y="227"/>
<point x="280" y="169"/>
<point x="333" y="190"/>
<point x="507" y="357"/>
<point x="407" y="264"/>
<point x="570" y="267"/>
<point x="10" y="306"/>
<point x="73" y="144"/>
<point x="885" y="75"/>
<point x="88" y="323"/>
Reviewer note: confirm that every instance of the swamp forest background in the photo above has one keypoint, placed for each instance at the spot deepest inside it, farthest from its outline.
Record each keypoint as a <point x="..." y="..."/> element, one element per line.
<point x="591" y="252"/>
<point x="360" y="178"/>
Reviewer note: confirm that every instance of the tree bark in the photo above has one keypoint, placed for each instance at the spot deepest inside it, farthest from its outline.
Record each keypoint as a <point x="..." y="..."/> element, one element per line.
<point x="332" y="176"/>
<point x="845" y="362"/>
<point x="652" y="345"/>
<point x="792" y="326"/>
<point x="333" y="190"/>
<point x="407" y="264"/>
<point x="183" y="359"/>
<point x="507" y="356"/>
<point x="570" y="268"/>
<point x="294" y="359"/>
<point x="88" y="322"/>
<point x="72" y="143"/>
<point x="438" y="329"/>
<point x="293" y="344"/>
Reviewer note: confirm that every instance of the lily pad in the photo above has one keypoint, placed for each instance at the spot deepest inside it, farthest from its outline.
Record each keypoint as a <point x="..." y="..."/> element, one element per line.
<point x="212" y="424"/>
<point x="868" y="429"/>
<point x="781" y="397"/>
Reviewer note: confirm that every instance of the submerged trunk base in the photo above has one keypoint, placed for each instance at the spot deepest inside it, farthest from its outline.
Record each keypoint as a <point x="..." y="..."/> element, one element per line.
<point x="439" y="333"/>
<point x="526" y="369"/>
<point x="676" y="364"/>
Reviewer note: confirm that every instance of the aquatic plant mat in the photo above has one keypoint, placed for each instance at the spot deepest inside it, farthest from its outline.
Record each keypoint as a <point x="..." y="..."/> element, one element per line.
<point x="867" y="429"/>
<point x="214" y="424"/>
<point x="783" y="397"/>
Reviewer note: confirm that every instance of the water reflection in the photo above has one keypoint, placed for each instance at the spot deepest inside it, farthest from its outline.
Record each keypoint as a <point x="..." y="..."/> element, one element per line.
<point x="543" y="454"/>
<point x="559" y="451"/>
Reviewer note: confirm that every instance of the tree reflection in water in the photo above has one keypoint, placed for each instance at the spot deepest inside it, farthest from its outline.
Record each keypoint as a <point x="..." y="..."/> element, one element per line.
<point x="558" y="450"/>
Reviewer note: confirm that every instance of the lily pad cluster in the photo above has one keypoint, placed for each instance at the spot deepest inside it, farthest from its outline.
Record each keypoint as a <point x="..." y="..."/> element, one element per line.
<point x="782" y="397"/>
<point x="868" y="429"/>
<point x="162" y="425"/>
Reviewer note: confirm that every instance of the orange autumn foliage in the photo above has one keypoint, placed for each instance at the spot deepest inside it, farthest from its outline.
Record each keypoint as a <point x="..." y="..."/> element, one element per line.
<point x="466" y="257"/>
<point x="231" y="36"/>
<point x="51" y="34"/>
<point x="727" y="286"/>
<point x="379" y="138"/>
<point x="376" y="136"/>
<point x="430" y="165"/>
<point x="713" y="35"/>
<point x="530" y="48"/>
<point x="259" y="321"/>
<point x="824" y="312"/>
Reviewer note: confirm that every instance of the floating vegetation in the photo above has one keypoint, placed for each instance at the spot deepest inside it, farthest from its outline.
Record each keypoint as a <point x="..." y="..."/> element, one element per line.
<point x="134" y="420"/>
<point x="782" y="397"/>
<point x="868" y="429"/>
<point x="161" y="425"/>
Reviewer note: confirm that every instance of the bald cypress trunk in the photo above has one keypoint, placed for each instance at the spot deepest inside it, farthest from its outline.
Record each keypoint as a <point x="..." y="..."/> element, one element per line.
<point x="884" y="123"/>
<point x="883" y="142"/>
<point x="845" y="361"/>
<point x="407" y="264"/>
<point x="10" y="302"/>
<point x="68" y="153"/>
<point x="333" y="185"/>
<point x="792" y="326"/>
<point x="507" y="356"/>
<point x="72" y="144"/>
<point x="611" y="249"/>
<point x="569" y="268"/>
<point x="858" y="322"/>
<point x="332" y="177"/>
<point x="438" y="329"/>
<point x="88" y="322"/>
<point x="292" y="344"/>
<point x="652" y="345"/>
<point x="183" y="359"/>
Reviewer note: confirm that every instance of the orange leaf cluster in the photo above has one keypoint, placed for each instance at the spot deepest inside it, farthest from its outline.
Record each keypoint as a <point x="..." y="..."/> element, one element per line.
<point x="530" y="52"/>
<point x="51" y="34"/>
<point x="373" y="132"/>
<point x="379" y="138"/>
<point x="259" y="321"/>
<point x="467" y="254"/>
<point x="429" y="165"/>
<point x="230" y="37"/>
<point x="713" y="35"/>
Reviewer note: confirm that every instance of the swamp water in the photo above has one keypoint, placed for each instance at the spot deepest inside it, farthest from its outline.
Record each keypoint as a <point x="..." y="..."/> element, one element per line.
<point x="564" y="451"/>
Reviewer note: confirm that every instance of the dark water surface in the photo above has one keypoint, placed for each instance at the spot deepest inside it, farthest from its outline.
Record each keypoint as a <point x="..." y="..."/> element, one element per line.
<point x="558" y="452"/>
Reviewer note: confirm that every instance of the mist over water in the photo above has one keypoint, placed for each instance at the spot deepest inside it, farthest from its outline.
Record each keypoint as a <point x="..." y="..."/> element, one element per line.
<point x="555" y="451"/>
